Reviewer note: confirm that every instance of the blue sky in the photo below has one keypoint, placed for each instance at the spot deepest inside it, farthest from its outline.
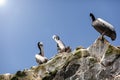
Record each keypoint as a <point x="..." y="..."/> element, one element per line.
<point x="25" y="22"/>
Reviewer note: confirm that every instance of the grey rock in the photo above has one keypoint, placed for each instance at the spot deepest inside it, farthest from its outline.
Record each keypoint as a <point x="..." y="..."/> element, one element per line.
<point x="100" y="61"/>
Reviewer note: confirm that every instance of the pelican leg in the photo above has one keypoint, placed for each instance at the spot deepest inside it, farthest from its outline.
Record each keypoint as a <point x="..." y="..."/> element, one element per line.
<point x="102" y="36"/>
<point x="68" y="49"/>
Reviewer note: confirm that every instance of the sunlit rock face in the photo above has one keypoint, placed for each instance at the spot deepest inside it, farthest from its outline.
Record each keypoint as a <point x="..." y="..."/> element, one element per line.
<point x="100" y="61"/>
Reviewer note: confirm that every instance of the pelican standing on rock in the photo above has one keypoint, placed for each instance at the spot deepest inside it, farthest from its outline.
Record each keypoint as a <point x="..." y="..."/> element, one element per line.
<point x="40" y="57"/>
<point x="60" y="45"/>
<point x="103" y="27"/>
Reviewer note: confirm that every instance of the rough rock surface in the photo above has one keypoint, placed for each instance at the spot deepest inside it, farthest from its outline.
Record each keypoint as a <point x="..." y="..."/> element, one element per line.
<point x="100" y="61"/>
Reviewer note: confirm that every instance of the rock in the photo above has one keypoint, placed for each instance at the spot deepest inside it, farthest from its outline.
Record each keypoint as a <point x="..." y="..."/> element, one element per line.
<point x="6" y="76"/>
<point x="100" y="61"/>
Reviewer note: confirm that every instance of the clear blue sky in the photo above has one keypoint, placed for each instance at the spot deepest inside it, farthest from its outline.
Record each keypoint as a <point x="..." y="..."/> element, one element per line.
<point x="25" y="22"/>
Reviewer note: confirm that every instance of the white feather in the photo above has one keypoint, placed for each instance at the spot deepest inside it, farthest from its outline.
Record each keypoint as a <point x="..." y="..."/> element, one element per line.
<point x="40" y="58"/>
<point x="106" y="23"/>
<point x="59" y="42"/>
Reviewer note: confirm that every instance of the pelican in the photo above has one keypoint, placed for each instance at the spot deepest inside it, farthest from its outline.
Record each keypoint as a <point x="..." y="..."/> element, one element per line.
<point x="103" y="27"/>
<point x="60" y="45"/>
<point x="40" y="57"/>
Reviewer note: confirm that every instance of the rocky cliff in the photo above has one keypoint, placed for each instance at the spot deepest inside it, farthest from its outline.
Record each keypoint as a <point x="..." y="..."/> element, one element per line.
<point x="100" y="61"/>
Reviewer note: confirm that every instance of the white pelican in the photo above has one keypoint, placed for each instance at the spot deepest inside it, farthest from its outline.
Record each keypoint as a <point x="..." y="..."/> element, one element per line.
<point x="60" y="45"/>
<point x="40" y="57"/>
<point x="103" y="27"/>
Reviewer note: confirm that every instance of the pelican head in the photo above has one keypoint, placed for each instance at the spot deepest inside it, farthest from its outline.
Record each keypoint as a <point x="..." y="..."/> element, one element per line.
<point x="92" y="16"/>
<point x="40" y="44"/>
<point x="56" y="37"/>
